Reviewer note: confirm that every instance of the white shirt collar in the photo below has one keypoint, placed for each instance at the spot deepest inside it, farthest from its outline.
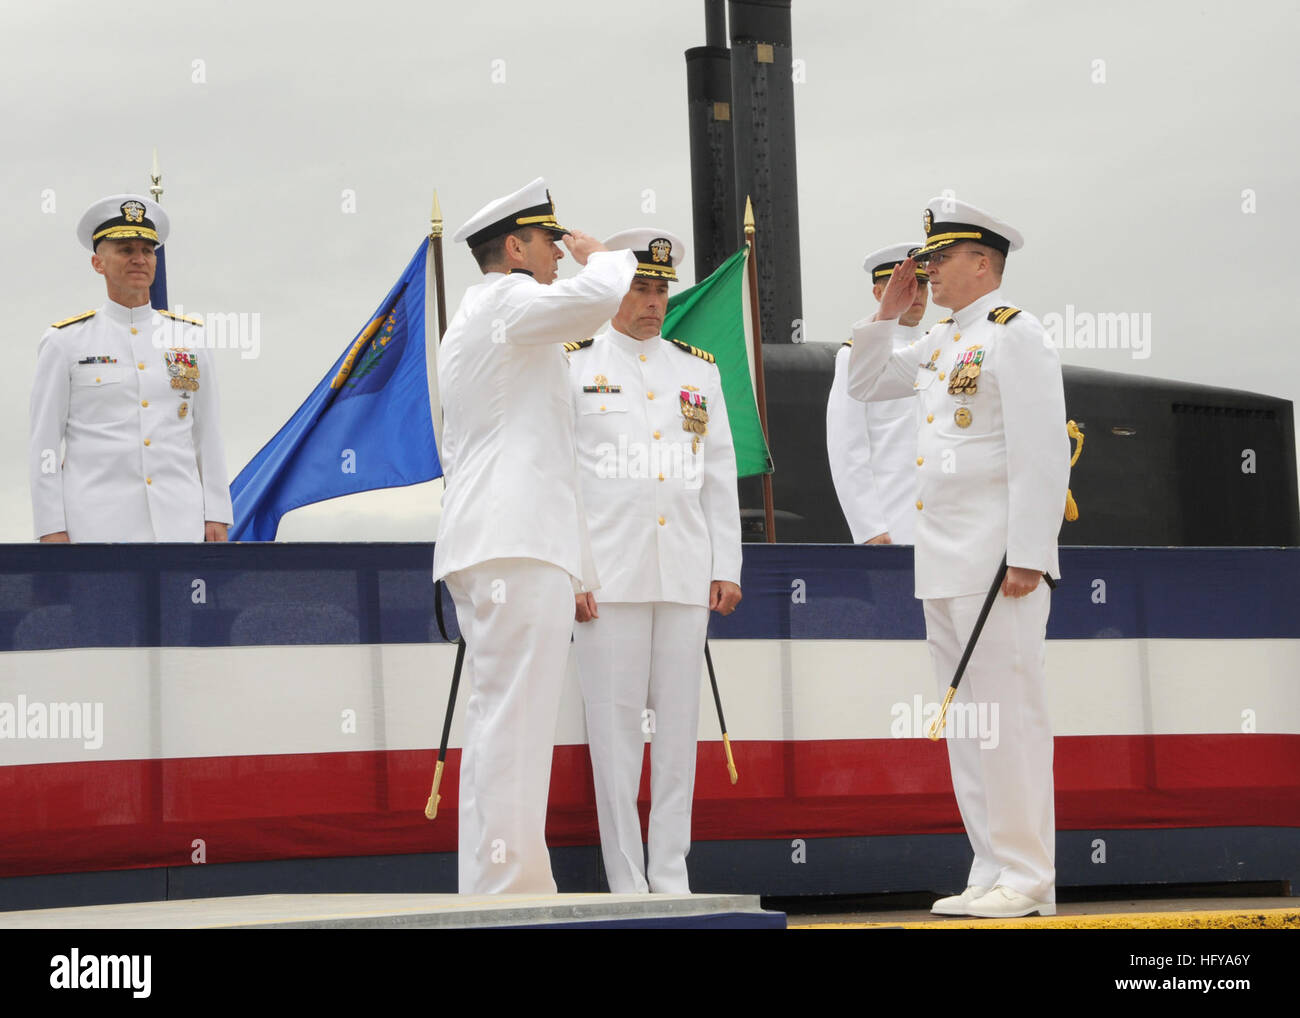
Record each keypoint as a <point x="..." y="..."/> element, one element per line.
<point x="127" y="316"/>
<point x="976" y="309"/>
<point x="629" y="345"/>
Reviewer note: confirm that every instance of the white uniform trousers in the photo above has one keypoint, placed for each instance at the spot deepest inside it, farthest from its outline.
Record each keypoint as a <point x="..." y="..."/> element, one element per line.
<point x="640" y="666"/>
<point x="516" y="615"/>
<point x="1003" y="776"/>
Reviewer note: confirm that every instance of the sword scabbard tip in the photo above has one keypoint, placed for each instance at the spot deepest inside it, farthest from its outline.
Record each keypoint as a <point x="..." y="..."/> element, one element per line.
<point x="936" y="729"/>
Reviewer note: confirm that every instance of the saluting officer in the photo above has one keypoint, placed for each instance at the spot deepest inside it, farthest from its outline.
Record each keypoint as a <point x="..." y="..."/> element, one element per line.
<point x="512" y="543"/>
<point x="125" y="439"/>
<point x="872" y="447"/>
<point x="658" y="473"/>
<point x="992" y="466"/>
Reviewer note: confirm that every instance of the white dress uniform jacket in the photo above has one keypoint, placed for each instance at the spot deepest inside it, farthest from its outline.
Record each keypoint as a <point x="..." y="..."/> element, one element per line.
<point x="507" y="444"/>
<point x="134" y="468"/>
<point x="664" y="518"/>
<point x="997" y="484"/>
<point x="662" y="510"/>
<point x="872" y="452"/>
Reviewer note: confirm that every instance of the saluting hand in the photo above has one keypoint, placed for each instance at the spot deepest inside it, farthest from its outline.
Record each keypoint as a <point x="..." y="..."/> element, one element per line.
<point x="581" y="245"/>
<point x="899" y="293"/>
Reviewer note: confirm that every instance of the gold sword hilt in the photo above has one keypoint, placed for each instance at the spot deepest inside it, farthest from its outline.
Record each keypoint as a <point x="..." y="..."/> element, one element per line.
<point x="936" y="729"/>
<point x="431" y="807"/>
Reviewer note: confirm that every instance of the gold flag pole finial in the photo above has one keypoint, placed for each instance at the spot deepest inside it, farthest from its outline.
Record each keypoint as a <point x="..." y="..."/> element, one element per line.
<point x="749" y="219"/>
<point x="435" y="217"/>
<point x="155" y="189"/>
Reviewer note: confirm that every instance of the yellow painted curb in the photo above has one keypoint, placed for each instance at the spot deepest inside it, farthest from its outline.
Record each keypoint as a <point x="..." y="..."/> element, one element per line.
<point x="1260" y="919"/>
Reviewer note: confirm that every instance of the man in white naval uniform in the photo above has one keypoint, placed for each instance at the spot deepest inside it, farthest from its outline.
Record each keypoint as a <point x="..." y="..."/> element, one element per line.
<point x="658" y="475"/>
<point x="872" y="446"/>
<point x="512" y="543"/>
<point x="131" y="395"/>
<point x="993" y="466"/>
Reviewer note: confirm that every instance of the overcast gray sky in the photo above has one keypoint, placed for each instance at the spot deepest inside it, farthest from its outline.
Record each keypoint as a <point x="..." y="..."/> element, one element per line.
<point x="1128" y="142"/>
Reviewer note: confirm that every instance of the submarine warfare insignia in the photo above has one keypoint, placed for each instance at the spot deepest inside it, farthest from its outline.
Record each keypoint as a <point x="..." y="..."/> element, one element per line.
<point x="963" y="379"/>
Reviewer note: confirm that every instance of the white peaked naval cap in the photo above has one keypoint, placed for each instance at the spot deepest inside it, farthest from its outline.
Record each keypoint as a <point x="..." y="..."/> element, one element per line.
<point x="531" y="205"/>
<point x="123" y="217"/>
<point x="882" y="263"/>
<point x="658" y="252"/>
<point x="948" y="221"/>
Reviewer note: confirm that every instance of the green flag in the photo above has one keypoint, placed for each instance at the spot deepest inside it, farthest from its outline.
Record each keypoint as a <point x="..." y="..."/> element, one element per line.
<point x="711" y="315"/>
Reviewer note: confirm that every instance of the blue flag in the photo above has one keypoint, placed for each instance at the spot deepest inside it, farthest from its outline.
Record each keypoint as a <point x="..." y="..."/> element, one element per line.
<point x="366" y="425"/>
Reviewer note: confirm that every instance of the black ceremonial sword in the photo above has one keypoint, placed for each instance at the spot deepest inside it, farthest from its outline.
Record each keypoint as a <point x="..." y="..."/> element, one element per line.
<point x="431" y="807"/>
<point x="722" y="722"/>
<point x="936" y="729"/>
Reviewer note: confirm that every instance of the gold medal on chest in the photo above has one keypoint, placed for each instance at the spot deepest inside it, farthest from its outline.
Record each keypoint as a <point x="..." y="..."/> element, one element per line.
<point x="963" y="378"/>
<point x="962" y="417"/>
<point x="695" y="411"/>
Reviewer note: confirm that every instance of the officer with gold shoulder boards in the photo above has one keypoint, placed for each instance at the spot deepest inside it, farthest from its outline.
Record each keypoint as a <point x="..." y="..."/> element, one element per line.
<point x="125" y="440"/>
<point x="658" y="473"/>
<point x="872" y="446"/>
<point x="992" y="467"/>
<point x="512" y="542"/>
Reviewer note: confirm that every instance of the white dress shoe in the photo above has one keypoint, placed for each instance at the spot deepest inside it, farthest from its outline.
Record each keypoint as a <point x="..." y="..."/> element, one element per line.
<point x="1004" y="903"/>
<point x="955" y="904"/>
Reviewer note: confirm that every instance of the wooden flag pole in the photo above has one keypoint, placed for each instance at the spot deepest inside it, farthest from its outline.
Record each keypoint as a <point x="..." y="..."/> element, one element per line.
<point x="435" y="244"/>
<point x="769" y="510"/>
<point x="435" y="241"/>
